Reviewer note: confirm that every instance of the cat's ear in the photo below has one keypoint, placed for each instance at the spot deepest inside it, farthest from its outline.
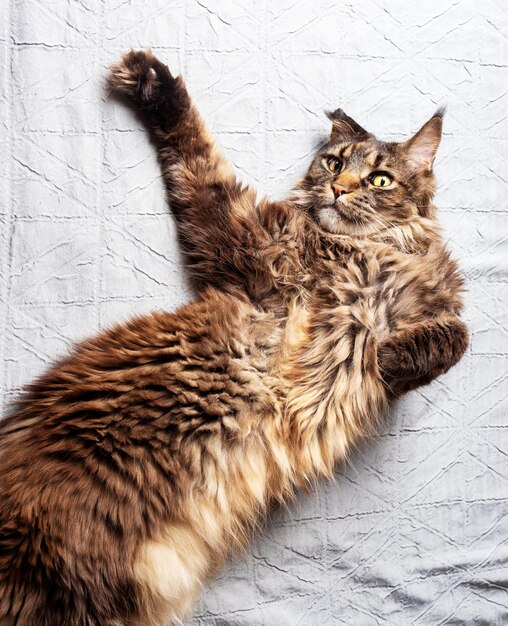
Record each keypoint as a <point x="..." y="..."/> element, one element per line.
<point x="421" y="148"/>
<point x="343" y="126"/>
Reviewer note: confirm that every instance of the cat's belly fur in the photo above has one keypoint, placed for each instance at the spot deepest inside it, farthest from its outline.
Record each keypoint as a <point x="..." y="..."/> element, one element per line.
<point x="171" y="434"/>
<point x="277" y="445"/>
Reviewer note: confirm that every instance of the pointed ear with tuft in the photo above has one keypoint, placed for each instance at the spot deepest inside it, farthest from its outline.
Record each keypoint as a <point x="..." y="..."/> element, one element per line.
<point x="343" y="126"/>
<point x="421" y="148"/>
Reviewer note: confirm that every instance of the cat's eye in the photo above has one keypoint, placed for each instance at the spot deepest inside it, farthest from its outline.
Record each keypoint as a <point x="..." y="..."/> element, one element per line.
<point x="379" y="179"/>
<point x="333" y="164"/>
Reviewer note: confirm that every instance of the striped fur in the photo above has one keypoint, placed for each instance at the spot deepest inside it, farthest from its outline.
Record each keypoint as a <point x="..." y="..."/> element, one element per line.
<point x="132" y="469"/>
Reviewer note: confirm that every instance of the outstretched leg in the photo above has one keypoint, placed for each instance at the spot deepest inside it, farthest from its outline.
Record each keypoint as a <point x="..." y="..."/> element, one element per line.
<point x="415" y="355"/>
<point x="215" y="213"/>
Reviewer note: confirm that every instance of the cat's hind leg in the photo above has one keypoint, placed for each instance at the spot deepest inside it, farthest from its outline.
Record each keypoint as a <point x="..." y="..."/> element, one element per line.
<point x="169" y="571"/>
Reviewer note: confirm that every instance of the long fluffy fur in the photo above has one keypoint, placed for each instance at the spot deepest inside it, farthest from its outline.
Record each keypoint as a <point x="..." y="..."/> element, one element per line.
<point x="131" y="469"/>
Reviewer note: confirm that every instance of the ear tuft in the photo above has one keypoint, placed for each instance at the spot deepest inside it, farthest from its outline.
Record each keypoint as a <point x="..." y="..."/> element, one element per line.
<point x="440" y="111"/>
<point x="343" y="126"/>
<point x="421" y="148"/>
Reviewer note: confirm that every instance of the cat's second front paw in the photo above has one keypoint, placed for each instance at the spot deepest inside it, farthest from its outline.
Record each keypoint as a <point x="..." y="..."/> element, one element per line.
<point x="414" y="356"/>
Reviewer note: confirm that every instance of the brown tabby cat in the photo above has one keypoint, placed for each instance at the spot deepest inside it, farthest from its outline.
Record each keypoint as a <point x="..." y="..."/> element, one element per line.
<point x="131" y="469"/>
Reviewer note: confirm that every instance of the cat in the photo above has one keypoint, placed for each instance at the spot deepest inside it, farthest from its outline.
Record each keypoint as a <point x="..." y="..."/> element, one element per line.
<point x="132" y="469"/>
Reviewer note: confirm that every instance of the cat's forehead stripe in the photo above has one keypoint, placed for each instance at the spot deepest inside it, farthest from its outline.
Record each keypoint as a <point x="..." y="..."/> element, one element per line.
<point x="342" y="151"/>
<point x="348" y="151"/>
<point x="371" y="157"/>
<point x="362" y="151"/>
<point x="369" y="154"/>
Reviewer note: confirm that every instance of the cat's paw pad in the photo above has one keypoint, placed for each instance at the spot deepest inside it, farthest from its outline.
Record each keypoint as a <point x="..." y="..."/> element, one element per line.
<point x="141" y="77"/>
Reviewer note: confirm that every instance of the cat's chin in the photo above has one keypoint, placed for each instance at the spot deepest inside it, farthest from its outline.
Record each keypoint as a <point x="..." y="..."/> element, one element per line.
<point x="333" y="220"/>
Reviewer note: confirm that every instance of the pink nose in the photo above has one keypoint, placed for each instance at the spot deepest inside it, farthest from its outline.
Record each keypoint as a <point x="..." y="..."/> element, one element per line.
<point x="338" y="190"/>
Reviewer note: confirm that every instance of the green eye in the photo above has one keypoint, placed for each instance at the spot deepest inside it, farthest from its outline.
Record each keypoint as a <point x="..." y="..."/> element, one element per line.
<point x="333" y="164"/>
<point x="381" y="180"/>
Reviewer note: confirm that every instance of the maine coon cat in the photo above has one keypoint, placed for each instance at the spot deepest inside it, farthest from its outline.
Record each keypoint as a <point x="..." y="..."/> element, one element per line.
<point x="131" y="469"/>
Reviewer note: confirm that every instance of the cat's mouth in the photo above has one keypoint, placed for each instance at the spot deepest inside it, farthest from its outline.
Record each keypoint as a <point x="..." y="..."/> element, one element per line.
<point x="344" y="212"/>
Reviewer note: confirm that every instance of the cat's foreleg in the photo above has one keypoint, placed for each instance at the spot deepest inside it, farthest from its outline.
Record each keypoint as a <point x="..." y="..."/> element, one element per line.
<point x="416" y="354"/>
<point x="211" y="207"/>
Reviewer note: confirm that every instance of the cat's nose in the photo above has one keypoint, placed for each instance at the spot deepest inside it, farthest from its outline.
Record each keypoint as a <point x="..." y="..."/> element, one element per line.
<point x="339" y="190"/>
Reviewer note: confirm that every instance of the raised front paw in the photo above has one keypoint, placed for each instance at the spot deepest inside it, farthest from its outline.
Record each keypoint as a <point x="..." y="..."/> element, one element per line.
<point x="148" y="82"/>
<point x="415" y="355"/>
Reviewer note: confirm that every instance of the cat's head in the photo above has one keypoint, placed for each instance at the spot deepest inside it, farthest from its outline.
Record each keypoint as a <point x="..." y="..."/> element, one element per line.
<point x="358" y="185"/>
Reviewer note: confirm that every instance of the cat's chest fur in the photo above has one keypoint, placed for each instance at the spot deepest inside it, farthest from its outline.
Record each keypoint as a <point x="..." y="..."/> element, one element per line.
<point x="347" y="296"/>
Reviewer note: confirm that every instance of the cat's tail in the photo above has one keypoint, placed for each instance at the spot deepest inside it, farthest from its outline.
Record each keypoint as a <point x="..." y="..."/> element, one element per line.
<point x="147" y="82"/>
